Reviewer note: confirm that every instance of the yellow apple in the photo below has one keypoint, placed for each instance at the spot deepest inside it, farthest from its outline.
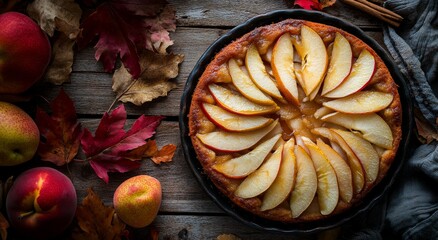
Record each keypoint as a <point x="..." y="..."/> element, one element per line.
<point x="137" y="200"/>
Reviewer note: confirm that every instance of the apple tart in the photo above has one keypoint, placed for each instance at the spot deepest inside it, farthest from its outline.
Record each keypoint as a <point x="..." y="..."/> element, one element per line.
<point x="296" y="121"/>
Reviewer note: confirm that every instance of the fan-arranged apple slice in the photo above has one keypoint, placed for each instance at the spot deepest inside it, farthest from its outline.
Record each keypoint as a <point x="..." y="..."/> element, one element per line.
<point x="260" y="180"/>
<point x="371" y="126"/>
<point x="236" y="103"/>
<point x="322" y="111"/>
<point x="246" y="86"/>
<point x="306" y="183"/>
<point x="314" y="59"/>
<point x="234" y="122"/>
<point x="258" y="73"/>
<point x="364" y="151"/>
<point x="283" y="68"/>
<point x="340" y="64"/>
<point x="328" y="189"/>
<point x="246" y="164"/>
<point x="361" y="73"/>
<point x="355" y="165"/>
<point x="234" y="141"/>
<point x="342" y="170"/>
<point x="283" y="184"/>
<point x="361" y="102"/>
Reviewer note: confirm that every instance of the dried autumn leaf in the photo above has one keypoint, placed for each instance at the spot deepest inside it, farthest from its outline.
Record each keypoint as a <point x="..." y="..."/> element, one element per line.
<point x="112" y="149"/>
<point x="426" y="132"/>
<point x="4" y="225"/>
<point x="61" y="131"/>
<point x="125" y="27"/>
<point x="157" y="70"/>
<point x="227" y="237"/>
<point x="165" y="154"/>
<point x="314" y="4"/>
<point x="95" y="221"/>
<point x="62" y="16"/>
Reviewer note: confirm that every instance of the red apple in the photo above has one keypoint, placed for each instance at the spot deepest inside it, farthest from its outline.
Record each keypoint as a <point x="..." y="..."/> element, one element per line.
<point x="19" y="135"/>
<point x="41" y="203"/>
<point x="25" y="53"/>
<point x="137" y="200"/>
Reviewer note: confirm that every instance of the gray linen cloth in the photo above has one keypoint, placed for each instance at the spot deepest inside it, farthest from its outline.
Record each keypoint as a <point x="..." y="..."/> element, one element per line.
<point x="410" y="209"/>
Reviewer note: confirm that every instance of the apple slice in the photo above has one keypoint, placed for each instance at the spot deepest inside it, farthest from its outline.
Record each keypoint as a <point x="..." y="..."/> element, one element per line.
<point x="234" y="122"/>
<point x="342" y="170"/>
<point x="258" y="73"/>
<point x="322" y="111"/>
<point x="246" y="86"/>
<point x="260" y="180"/>
<point x="355" y="165"/>
<point x="306" y="183"/>
<point x="364" y="151"/>
<point x="236" y="103"/>
<point x="246" y="164"/>
<point x="361" y="102"/>
<point x="361" y="73"/>
<point x="234" y="141"/>
<point x="340" y="64"/>
<point x="314" y="59"/>
<point x="328" y="189"/>
<point x="283" y="184"/>
<point x="371" y="126"/>
<point x="283" y="68"/>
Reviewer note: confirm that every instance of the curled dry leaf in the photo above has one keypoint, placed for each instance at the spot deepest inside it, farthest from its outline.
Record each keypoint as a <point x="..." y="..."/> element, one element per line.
<point x="95" y="221"/>
<point x="314" y="4"/>
<point x="61" y="132"/>
<point x="64" y="17"/>
<point x="126" y="27"/>
<point x="227" y="237"/>
<point x="4" y="225"/>
<point x="426" y="131"/>
<point x="165" y="154"/>
<point x="157" y="70"/>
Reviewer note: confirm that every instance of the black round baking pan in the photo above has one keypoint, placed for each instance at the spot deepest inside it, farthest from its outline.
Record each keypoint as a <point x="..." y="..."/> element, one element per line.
<point x="246" y="217"/>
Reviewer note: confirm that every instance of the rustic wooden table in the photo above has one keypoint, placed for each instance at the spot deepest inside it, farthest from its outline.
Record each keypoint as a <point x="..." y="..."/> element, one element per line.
<point x="186" y="211"/>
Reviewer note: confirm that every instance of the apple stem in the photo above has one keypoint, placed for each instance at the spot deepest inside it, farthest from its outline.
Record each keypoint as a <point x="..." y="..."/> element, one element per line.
<point x="23" y="215"/>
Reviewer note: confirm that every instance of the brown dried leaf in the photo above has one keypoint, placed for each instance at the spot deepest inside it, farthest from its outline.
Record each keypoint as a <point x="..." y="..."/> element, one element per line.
<point x="95" y="221"/>
<point x="157" y="70"/>
<point x="60" y="68"/>
<point x="227" y="237"/>
<point x="165" y="154"/>
<point x="426" y="132"/>
<point x="60" y="15"/>
<point x="63" y="16"/>
<point x="4" y="225"/>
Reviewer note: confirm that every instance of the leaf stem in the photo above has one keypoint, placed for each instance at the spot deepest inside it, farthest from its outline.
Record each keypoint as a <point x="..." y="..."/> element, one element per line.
<point x="121" y="94"/>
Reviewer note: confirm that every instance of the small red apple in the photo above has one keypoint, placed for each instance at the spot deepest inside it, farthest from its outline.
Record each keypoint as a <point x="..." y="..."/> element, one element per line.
<point x="41" y="203"/>
<point x="25" y="53"/>
<point x="137" y="200"/>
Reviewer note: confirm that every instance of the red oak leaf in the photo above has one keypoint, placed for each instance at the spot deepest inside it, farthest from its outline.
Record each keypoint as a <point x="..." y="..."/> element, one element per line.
<point x="61" y="131"/>
<point x="126" y="26"/>
<point x="112" y="149"/>
<point x="314" y="4"/>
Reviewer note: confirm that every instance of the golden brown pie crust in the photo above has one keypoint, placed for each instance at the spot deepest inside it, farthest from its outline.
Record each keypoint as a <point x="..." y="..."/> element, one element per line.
<point x="263" y="37"/>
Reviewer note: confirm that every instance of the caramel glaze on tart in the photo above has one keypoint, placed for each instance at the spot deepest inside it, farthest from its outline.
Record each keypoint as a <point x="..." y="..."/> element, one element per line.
<point x="264" y="38"/>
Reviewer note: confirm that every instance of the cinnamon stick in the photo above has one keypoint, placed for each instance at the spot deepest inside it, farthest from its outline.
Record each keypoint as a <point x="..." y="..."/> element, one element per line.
<point x="377" y="11"/>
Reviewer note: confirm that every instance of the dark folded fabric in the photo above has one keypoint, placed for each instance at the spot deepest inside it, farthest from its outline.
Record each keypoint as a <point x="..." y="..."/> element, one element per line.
<point x="410" y="209"/>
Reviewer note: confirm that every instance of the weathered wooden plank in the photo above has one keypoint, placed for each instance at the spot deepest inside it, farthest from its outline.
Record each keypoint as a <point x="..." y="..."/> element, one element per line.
<point x="209" y="227"/>
<point x="228" y="13"/>
<point x="91" y="90"/>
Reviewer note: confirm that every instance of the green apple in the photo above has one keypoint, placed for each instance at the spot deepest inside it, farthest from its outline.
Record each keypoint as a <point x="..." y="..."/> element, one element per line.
<point x="25" y="53"/>
<point x="19" y="135"/>
<point x="137" y="200"/>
